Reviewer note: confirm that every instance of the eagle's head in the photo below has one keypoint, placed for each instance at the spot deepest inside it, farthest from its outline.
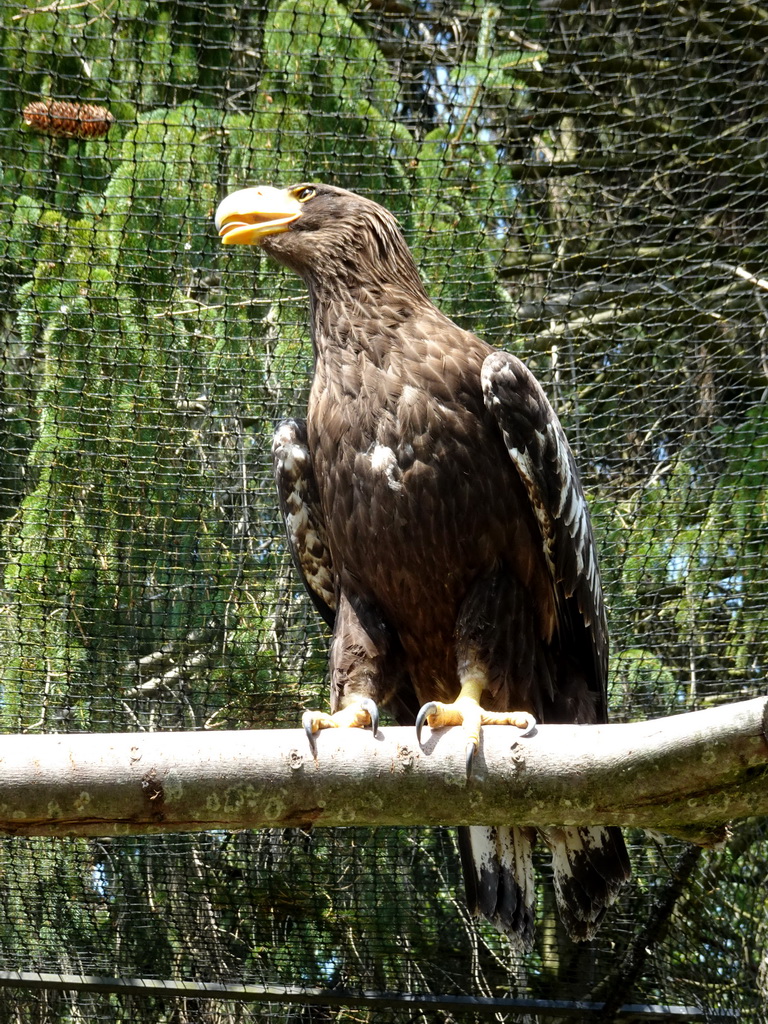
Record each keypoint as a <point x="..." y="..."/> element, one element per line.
<point x="321" y="232"/>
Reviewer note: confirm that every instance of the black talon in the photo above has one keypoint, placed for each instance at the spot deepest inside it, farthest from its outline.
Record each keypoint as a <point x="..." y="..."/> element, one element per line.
<point x="470" y="758"/>
<point x="370" y="706"/>
<point x="424" y="711"/>
<point x="530" y="729"/>
<point x="306" y="721"/>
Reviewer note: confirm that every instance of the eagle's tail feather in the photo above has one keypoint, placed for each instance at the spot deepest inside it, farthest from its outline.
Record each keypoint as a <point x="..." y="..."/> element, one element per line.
<point x="498" y="875"/>
<point x="590" y="867"/>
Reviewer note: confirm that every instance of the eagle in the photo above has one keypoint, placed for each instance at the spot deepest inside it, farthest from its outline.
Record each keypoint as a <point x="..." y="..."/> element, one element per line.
<point x="434" y="511"/>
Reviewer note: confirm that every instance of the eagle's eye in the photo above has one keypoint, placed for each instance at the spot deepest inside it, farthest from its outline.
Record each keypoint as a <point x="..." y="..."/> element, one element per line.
<point x="304" y="194"/>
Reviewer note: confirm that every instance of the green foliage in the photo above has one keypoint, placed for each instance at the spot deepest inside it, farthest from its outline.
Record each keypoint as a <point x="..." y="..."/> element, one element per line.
<point x="319" y="44"/>
<point x="159" y="200"/>
<point x="126" y="564"/>
<point x="581" y="204"/>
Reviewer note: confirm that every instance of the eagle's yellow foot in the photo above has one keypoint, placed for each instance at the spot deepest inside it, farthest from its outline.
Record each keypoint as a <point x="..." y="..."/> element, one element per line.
<point x="466" y="711"/>
<point x="354" y="716"/>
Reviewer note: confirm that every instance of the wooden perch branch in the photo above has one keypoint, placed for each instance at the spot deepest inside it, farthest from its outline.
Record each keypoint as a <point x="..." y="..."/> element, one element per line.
<point x="687" y="775"/>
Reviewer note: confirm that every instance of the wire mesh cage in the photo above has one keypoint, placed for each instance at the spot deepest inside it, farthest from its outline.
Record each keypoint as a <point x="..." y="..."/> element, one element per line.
<point x="580" y="184"/>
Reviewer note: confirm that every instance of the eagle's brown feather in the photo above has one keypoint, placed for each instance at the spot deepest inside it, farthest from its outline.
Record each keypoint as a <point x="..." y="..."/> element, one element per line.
<point x="455" y="526"/>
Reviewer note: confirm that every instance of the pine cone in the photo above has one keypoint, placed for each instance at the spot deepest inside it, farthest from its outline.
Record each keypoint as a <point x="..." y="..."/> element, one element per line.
<point x="69" y="120"/>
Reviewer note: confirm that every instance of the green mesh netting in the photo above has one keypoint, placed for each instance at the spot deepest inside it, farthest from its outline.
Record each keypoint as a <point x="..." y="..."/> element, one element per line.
<point x="581" y="184"/>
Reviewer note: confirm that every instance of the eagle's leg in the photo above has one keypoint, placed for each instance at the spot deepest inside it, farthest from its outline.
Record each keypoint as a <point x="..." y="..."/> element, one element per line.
<point x="359" y="714"/>
<point x="362" y="669"/>
<point x="467" y="712"/>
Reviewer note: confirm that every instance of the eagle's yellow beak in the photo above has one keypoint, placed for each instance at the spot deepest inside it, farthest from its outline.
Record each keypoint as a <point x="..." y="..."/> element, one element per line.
<point x="247" y="216"/>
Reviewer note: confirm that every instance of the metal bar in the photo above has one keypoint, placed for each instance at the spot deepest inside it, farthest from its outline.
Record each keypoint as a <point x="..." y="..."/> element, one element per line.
<point x="236" y="991"/>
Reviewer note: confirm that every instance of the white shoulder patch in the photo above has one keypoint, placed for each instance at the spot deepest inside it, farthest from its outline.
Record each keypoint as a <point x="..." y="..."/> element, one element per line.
<point x="384" y="460"/>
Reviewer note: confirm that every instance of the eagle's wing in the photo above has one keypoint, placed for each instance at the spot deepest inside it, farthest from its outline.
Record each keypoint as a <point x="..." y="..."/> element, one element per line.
<point x="542" y="456"/>
<point x="590" y="864"/>
<point x="300" y="507"/>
